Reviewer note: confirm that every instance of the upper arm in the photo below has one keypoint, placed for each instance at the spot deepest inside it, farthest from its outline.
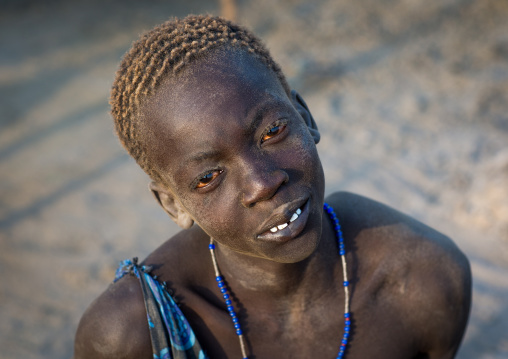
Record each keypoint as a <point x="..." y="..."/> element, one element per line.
<point x="437" y="274"/>
<point x="442" y="299"/>
<point x="115" y="325"/>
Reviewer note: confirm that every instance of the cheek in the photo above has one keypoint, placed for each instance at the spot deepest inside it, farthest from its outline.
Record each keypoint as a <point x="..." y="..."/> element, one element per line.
<point x="216" y="214"/>
<point x="304" y="159"/>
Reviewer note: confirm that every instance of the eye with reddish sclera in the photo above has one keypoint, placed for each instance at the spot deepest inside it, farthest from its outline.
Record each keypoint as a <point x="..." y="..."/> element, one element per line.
<point x="207" y="178"/>
<point x="276" y="129"/>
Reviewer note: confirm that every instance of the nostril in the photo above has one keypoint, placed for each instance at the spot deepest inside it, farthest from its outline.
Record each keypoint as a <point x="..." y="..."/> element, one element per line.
<point x="286" y="179"/>
<point x="263" y="187"/>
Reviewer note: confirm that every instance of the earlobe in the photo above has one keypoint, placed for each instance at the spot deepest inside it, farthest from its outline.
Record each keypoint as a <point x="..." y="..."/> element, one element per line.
<point x="304" y="111"/>
<point x="171" y="205"/>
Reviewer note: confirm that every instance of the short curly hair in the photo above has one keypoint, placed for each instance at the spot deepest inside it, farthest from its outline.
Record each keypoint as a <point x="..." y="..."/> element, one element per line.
<point x="166" y="50"/>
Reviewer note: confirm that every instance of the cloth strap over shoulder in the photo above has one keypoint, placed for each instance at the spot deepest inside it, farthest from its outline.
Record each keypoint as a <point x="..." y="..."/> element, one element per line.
<point x="171" y="335"/>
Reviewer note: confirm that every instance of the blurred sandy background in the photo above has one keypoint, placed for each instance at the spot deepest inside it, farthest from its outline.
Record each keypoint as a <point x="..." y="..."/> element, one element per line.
<point x="411" y="98"/>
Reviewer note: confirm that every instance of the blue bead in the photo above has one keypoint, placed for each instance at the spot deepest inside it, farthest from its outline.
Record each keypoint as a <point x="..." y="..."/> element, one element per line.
<point x="346" y="335"/>
<point x="229" y="302"/>
<point x="342" y="252"/>
<point x="237" y="326"/>
<point x="346" y="283"/>
<point x="226" y="296"/>
<point x="232" y="314"/>
<point x="218" y="278"/>
<point x="346" y="315"/>
<point x="220" y="284"/>
<point x="344" y="341"/>
<point x="230" y="308"/>
<point x="239" y="331"/>
<point x="235" y="320"/>
<point x="223" y="290"/>
<point x="211" y="246"/>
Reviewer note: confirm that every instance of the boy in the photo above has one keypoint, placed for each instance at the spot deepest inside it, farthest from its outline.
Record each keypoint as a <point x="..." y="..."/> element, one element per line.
<point x="265" y="272"/>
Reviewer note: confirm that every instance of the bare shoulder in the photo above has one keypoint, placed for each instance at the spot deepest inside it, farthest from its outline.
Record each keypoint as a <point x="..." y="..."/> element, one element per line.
<point x="379" y="226"/>
<point x="115" y="324"/>
<point x="408" y="265"/>
<point x="180" y="260"/>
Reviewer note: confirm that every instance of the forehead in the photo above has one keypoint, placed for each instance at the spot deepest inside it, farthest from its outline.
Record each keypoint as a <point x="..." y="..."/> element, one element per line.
<point x="209" y="82"/>
<point x="193" y="107"/>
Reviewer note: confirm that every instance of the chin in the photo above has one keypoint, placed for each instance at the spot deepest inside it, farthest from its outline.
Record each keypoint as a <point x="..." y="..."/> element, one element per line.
<point x="299" y="249"/>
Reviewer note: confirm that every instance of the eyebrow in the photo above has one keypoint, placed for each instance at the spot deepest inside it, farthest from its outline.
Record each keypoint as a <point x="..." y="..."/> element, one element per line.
<point x="202" y="156"/>
<point x="258" y="113"/>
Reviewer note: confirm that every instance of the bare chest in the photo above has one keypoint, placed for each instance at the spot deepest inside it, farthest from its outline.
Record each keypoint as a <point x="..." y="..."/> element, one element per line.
<point x="376" y="331"/>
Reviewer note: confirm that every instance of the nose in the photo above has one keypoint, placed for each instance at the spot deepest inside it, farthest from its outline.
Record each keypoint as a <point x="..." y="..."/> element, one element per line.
<point x="262" y="183"/>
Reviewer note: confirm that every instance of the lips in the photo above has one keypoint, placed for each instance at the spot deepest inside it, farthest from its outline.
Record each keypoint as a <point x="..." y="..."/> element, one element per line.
<point x="287" y="221"/>
<point x="294" y="217"/>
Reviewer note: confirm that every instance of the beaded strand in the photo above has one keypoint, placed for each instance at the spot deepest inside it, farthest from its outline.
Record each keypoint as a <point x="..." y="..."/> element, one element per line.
<point x="222" y="287"/>
<point x="342" y="252"/>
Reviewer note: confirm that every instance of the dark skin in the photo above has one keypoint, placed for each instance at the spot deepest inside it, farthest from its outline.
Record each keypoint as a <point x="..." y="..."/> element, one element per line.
<point x="237" y="154"/>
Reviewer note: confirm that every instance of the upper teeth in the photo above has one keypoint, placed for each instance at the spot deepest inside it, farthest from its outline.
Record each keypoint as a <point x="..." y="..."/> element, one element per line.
<point x="294" y="217"/>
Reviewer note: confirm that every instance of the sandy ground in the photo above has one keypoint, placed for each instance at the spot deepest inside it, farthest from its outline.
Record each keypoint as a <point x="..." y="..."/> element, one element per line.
<point x="411" y="98"/>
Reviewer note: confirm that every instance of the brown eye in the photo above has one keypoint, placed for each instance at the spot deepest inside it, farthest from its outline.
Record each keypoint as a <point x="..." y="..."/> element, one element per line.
<point x="274" y="131"/>
<point x="206" y="179"/>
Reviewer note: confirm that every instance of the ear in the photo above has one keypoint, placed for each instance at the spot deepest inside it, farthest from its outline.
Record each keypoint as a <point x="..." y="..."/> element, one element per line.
<point x="304" y="111"/>
<point x="171" y="205"/>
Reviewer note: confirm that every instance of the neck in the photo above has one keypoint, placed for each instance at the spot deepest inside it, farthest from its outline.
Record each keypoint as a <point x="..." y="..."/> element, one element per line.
<point x="247" y="275"/>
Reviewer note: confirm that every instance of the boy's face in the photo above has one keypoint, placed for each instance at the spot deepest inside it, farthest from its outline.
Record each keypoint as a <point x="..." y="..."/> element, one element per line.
<point x="236" y="154"/>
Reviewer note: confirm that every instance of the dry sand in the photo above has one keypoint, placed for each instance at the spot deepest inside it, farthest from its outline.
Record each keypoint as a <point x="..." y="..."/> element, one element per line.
<point x="411" y="98"/>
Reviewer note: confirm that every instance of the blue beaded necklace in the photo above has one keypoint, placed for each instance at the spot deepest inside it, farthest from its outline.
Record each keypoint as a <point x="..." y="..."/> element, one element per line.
<point x="231" y="309"/>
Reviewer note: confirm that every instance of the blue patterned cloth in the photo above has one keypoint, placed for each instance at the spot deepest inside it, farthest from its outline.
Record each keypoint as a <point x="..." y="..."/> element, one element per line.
<point x="170" y="332"/>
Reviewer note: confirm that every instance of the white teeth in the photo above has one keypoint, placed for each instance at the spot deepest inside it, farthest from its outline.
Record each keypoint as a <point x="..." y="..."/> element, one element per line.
<point x="294" y="217"/>
<point x="282" y="226"/>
